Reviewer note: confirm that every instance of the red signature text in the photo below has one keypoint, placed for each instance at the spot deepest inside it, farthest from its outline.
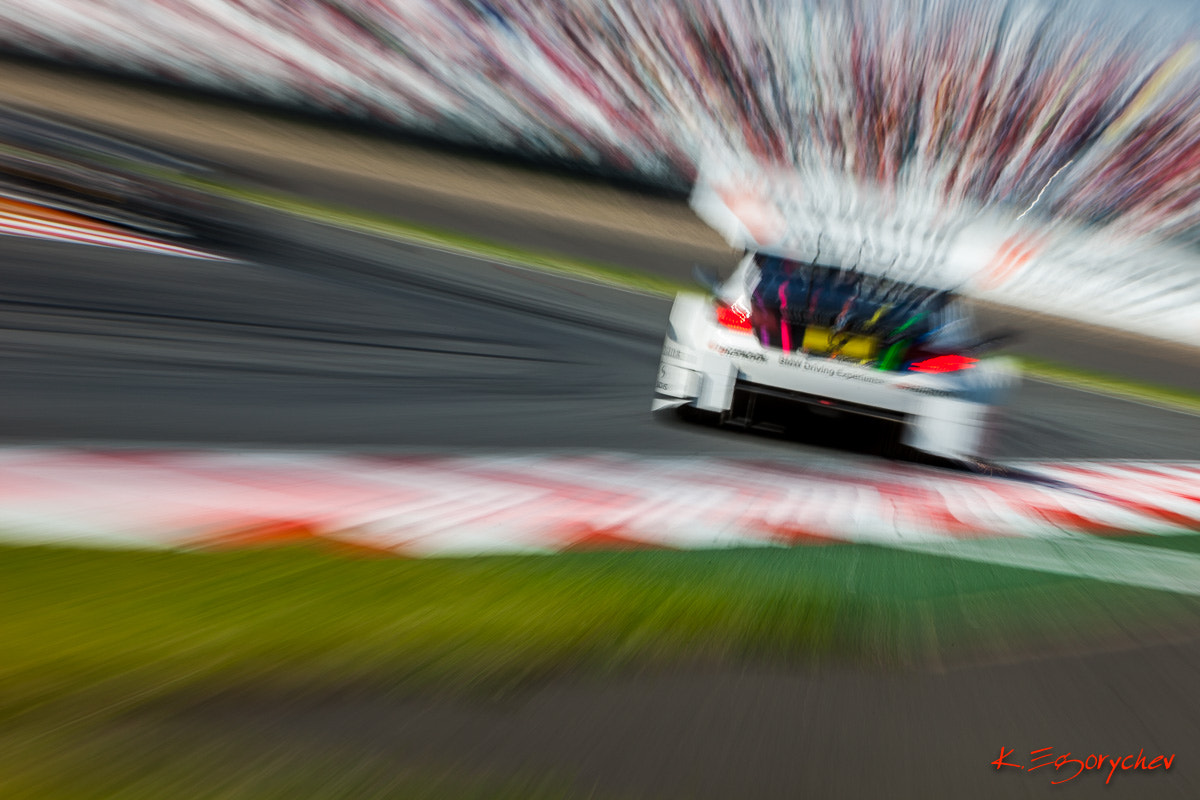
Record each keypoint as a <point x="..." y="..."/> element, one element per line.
<point x="1069" y="766"/>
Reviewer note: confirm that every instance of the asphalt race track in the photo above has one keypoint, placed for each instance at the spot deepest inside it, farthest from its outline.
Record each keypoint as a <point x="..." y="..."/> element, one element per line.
<point x="325" y="339"/>
<point x="1109" y="351"/>
<point x="336" y="339"/>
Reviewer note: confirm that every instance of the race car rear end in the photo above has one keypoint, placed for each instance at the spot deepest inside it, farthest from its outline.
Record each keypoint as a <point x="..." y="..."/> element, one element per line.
<point x="838" y="341"/>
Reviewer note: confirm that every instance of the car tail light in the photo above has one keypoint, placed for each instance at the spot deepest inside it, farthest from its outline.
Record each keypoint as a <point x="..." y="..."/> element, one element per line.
<point x="947" y="363"/>
<point x="734" y="318"/>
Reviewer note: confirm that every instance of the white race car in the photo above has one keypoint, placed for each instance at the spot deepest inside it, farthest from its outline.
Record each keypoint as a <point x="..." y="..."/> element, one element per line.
<point x="782" y="332"/>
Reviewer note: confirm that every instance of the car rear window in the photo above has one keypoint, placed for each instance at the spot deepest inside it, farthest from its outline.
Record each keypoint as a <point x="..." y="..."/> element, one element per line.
<point x="829" y="297"/>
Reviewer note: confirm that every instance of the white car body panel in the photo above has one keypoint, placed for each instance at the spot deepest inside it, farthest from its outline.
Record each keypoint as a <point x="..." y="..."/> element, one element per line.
<point x="702" y="363"/>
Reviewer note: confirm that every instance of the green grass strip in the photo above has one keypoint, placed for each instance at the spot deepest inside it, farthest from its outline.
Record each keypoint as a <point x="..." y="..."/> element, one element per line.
<point x="71" y="619"/>
<point x="1174" y="399"/>
<point x="204" y="675"/>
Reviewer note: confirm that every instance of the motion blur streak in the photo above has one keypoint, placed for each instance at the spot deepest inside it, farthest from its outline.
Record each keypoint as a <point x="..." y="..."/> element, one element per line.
<point x="467" y="506"/>
<point x="495" y="409"/>
<point x="980" y="102"/>
<point x="44" y="223"/>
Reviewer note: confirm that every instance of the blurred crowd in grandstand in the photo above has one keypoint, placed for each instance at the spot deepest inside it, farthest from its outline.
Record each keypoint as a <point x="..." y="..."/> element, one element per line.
<point x="1076" y="112"/>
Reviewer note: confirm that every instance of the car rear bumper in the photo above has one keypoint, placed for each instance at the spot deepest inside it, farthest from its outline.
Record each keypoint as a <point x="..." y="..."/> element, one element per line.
<point x="703" y="365"/>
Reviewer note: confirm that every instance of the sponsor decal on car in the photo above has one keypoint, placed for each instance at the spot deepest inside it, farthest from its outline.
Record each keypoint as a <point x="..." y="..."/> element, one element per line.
<point x="928" y="391"/>
<point x="737" y="352"/>
<point x="670" y="351"/>
<point x="675" y="381"/>
<point x="824" y="368"/>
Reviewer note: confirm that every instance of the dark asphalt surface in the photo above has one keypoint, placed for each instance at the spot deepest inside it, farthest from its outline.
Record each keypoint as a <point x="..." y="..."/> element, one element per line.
<point x="773" y="734"/>
<point x="336" y="339"/>
<point x="1127" y="354"/>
